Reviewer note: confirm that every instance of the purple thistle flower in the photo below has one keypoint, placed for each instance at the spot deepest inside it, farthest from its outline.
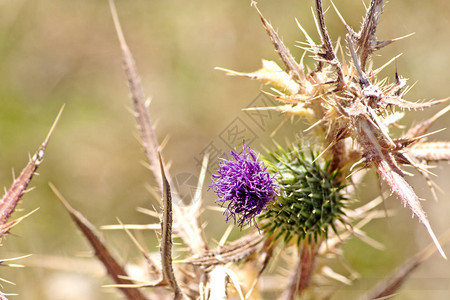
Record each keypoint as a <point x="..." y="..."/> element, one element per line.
<point x="244" y="186"/>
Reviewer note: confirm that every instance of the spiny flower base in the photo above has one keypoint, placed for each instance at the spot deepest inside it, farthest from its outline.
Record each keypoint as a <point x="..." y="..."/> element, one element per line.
<point x="310" y="200"/>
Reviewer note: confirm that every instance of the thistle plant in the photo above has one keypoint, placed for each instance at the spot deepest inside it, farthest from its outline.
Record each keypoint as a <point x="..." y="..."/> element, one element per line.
<point x="352" y="110"/>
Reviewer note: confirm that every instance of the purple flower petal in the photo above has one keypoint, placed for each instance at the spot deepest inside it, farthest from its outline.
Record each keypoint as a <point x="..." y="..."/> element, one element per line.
<point x="245" y="184"/>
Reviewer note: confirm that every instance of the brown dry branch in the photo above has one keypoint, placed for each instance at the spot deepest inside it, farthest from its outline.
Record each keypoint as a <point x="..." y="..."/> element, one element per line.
<point x="113" y="267"/>
<point x="20" y="184"/>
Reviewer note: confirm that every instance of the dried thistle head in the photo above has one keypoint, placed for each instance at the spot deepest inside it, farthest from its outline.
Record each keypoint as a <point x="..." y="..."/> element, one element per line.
<point x="352" y="110"/>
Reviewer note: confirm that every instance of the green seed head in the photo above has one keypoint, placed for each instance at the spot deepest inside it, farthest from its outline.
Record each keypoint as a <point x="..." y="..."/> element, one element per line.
<point x="310" y="200"/>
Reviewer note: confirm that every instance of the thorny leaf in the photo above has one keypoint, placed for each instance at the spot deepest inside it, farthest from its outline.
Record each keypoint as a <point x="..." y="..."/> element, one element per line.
<point x="420" y="129"/>
<point x="293" y="68"/>
<point x="189" y="229"/>
<point x="148" y="135"/>
<point x="113" y="267"/>
<point x="366" y="42"/>
<point x="395" y="179"/>
<point x="329" y="56"/>
<point x="20" y="185"/>
<point x="431" y="151"/>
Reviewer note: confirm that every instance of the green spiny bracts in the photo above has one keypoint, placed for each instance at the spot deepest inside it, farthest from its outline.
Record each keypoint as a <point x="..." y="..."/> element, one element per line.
<point x="310" y="200"/>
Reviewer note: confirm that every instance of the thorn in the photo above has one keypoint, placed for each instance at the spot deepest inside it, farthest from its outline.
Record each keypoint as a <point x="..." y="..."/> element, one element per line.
<point x="397" y="78"/>
<point x="348" y="28"/>
<point x="435" y="240"/>
<point x="308" y="38"/>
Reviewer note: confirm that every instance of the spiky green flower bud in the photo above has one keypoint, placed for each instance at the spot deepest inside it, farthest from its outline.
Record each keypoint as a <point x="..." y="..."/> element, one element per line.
<point x="310" y="200"/>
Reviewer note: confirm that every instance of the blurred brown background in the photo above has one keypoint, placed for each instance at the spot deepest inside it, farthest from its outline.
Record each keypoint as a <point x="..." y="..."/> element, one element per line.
<point x="66" y="52"/>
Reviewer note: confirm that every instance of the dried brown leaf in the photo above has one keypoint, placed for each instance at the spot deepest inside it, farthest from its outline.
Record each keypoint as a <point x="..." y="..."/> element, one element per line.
<point x="376" y="152"/>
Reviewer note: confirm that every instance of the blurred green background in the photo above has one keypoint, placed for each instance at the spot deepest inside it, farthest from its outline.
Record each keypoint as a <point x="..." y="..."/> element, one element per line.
<point x="66" y="52"/>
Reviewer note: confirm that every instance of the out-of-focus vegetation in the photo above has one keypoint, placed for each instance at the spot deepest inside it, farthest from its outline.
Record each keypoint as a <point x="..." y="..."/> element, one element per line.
<point x="56" y="52"/>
